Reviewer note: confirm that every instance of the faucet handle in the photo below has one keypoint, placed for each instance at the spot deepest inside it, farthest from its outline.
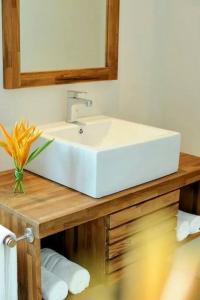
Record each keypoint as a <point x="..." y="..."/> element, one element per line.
<point x="74" y="94"/>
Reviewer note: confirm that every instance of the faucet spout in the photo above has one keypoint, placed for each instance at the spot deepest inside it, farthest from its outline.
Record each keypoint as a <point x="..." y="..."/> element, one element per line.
<point x="87" y="102"/>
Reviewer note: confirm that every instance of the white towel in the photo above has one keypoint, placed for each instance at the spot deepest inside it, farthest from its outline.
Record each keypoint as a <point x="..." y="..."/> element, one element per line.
<point x="182" y="230"/>
<point x="53" y="288"/>
<point x="8" y="268"/>
<point x="193" y="220"/>
<point x="76" y="277"/>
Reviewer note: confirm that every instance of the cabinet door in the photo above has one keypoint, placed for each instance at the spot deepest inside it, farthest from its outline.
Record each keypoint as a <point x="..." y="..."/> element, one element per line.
<point x="133" y="230"/>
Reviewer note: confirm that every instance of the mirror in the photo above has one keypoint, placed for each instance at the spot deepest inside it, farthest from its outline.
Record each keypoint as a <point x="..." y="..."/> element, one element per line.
<point x="63" y="41"/>
<point x="55" y="33"/>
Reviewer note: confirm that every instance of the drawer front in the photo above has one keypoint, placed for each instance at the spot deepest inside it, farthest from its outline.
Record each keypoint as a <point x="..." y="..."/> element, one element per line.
<point x="143" y="223"/>
<point x="166" y="245"/>
<point x="141" y="238"/>
<point x="136" y="211"/>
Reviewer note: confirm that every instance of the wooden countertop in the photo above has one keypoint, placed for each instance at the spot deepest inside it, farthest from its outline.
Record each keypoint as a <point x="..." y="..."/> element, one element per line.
<point x="50" y="207"/>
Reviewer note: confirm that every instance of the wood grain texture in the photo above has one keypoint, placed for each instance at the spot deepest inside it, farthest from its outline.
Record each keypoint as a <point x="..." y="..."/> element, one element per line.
<point x="64" y="76"/>
<point x="196" y="199"/>
<point x="113" y="37"/>
<point x="86" y="244"/>
<point x="28" y="258"/>
<point x="190" y="198"/>
<point x="139" y="239"/>
<point x="11" y="43"/>
<point x="14" y="78"/>
<point x="136" y="211"/>
<point x="142" y="223"/>
<point x="51" y="208"/>
<point x="187" y="197"/>
<point x="166" y="243"/>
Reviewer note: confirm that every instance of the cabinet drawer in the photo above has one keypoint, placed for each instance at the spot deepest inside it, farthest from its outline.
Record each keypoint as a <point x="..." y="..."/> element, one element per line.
<point x="141" y="238"/>
<point x="136" y="211"/>
<point x="142" y="223"/>
<point x="165" y="245"/>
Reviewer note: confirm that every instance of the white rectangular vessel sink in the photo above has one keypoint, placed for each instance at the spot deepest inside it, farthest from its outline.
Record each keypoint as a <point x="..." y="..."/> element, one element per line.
<point x="106" y="155"/>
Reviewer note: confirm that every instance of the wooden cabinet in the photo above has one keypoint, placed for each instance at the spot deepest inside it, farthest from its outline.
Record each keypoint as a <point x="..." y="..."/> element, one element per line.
<point x="135" y="227"/>
<point x="104" y="235"/>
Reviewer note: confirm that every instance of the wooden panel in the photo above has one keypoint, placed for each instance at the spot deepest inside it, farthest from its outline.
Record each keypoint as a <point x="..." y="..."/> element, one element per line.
<point x="187" y="196"/>
<point x="28" y="255"/>
<point x="196" y="208"/>
<point x="140" y="238"/>
<point x="64" y="77"/>
<point x="117" y="276"/>
<point x="141" y="224"/>
<point x="143" y="209"/>
<point x="190" y="198"/>
<point x="165" y="244"/>
<point x="130" y="272"/>
<point x="85" y="244"/>
<point x="113" y="37"/>
<point x="11" y="43"/>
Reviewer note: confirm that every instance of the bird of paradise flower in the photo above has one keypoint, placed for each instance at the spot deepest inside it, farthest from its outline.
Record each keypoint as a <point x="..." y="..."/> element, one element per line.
<point x="18" y="145"/>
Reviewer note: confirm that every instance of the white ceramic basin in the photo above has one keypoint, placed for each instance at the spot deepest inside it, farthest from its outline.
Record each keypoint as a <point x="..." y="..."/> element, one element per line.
<point x="109" y="156"/>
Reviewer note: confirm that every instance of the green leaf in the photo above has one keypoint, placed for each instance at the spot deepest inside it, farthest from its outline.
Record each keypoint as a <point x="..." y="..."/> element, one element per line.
<point x="38" y="150"/>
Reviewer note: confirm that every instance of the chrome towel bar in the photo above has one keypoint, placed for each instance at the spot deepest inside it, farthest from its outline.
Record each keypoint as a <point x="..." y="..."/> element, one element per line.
<point x="12" y="242"/>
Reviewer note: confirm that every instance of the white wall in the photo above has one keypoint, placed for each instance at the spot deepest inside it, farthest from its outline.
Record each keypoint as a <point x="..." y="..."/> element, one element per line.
<point x="138" y="71"/>
<point x="160" y="69"/>
<point x="180" y="68"/>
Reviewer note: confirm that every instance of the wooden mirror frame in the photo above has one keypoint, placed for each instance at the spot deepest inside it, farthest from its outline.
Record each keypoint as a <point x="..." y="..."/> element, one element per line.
<point x="13" y="78"/>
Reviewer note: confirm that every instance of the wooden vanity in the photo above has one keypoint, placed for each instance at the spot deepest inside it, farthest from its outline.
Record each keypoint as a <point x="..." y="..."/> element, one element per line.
<point x="98" y="233"/>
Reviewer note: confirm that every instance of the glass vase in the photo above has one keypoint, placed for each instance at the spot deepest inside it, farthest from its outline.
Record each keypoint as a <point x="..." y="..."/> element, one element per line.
<point x="19" y="176"/>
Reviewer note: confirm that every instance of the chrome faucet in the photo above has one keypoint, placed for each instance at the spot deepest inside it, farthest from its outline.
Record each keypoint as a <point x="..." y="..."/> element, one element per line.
<point x="73" y="99"/>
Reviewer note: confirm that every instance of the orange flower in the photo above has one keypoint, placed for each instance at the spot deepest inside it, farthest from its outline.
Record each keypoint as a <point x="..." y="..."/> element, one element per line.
<point x="18" y="144"/>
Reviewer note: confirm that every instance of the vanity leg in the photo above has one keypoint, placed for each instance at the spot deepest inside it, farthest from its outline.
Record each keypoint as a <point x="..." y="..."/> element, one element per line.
<point x="190" y="198"/>
<point x="33" y="270"/>
<point x="197" y="198"/>
<point x="28" y="259"/>
<point x="86" y="245"/>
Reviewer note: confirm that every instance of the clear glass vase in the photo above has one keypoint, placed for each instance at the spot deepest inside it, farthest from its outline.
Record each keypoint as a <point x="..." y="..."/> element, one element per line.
<point x="19" y="176"/>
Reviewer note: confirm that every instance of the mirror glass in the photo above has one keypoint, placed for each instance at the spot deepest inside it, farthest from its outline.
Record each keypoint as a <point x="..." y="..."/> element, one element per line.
<point x="62" y="34"/>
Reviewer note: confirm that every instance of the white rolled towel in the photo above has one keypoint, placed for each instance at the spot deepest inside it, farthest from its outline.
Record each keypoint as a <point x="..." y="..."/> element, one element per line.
<point x="193" y="220"/>
<point x="53" y="288"/>
<point x="182" y="230"/>
<point x="76" y="277"/>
